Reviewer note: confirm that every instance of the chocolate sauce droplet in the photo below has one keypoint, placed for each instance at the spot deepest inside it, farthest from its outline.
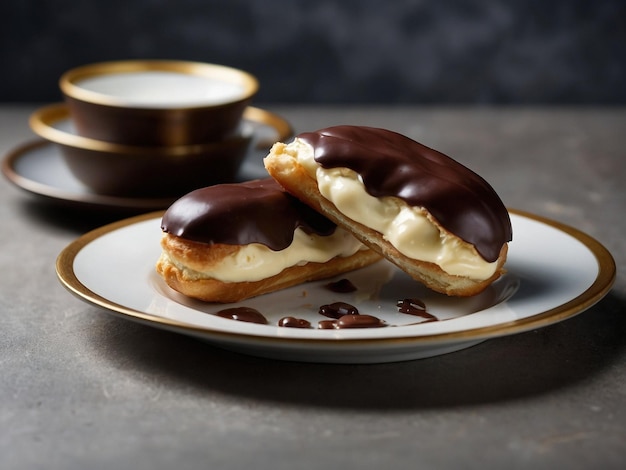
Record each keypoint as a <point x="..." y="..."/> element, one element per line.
<point x="411" y="305"/>
<point x="292" y="322"/>
<point x="351" y="321"/>
<point x="246" y="314"/>
<point x="359" y="321"/>
<point x="342" y="286"/>
<point x="338" y="309"/>
<point x="415" y="307"/>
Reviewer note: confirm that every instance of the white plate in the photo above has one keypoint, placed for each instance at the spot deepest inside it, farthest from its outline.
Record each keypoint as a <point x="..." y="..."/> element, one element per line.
<point x="554" y="272"/>
<point x="38" y="167"/>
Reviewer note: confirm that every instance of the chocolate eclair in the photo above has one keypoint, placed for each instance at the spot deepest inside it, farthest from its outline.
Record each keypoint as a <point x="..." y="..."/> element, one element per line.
<point x="229" y="242"/>
<point x="433" y="217"/>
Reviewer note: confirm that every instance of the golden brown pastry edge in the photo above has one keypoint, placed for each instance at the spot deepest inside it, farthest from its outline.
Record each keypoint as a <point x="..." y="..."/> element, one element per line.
<point x="199" y="256"/>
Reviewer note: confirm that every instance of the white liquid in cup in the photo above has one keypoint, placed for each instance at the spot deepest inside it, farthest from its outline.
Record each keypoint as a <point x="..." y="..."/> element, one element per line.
<point x="155" y="89"/>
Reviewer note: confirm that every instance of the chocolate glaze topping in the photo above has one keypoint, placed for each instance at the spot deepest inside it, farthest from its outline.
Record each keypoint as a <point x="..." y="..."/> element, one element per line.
<point x="239" y="214"/>
<point x="394" y="165"/>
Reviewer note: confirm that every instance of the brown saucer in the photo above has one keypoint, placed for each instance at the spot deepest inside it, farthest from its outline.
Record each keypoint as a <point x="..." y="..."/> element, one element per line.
<point x="39" y="168"/>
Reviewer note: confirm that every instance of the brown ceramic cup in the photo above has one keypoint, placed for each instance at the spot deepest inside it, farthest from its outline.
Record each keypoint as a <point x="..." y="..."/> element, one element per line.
<point x="142" y="171"/>
<point x="157" y="102"/>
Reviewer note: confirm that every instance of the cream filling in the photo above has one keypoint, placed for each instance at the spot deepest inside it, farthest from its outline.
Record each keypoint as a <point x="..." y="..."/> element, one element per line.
<point x="408" y="229"/>
<point x="255" y="261"/>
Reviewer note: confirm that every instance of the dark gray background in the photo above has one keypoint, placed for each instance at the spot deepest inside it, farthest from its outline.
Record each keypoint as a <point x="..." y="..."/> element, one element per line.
<point x="343" y="51"/>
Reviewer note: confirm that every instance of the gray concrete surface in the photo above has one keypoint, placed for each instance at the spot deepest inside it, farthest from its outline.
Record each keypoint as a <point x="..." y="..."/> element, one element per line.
<point x="83" y="389"/>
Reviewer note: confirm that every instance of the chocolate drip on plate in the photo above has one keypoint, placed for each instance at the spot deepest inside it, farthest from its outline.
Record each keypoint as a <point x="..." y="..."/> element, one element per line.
<point x="246" y="314"/>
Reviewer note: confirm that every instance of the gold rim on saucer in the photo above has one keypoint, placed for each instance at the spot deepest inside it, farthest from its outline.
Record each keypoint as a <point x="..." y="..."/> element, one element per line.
<point x="43" y="121"/>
